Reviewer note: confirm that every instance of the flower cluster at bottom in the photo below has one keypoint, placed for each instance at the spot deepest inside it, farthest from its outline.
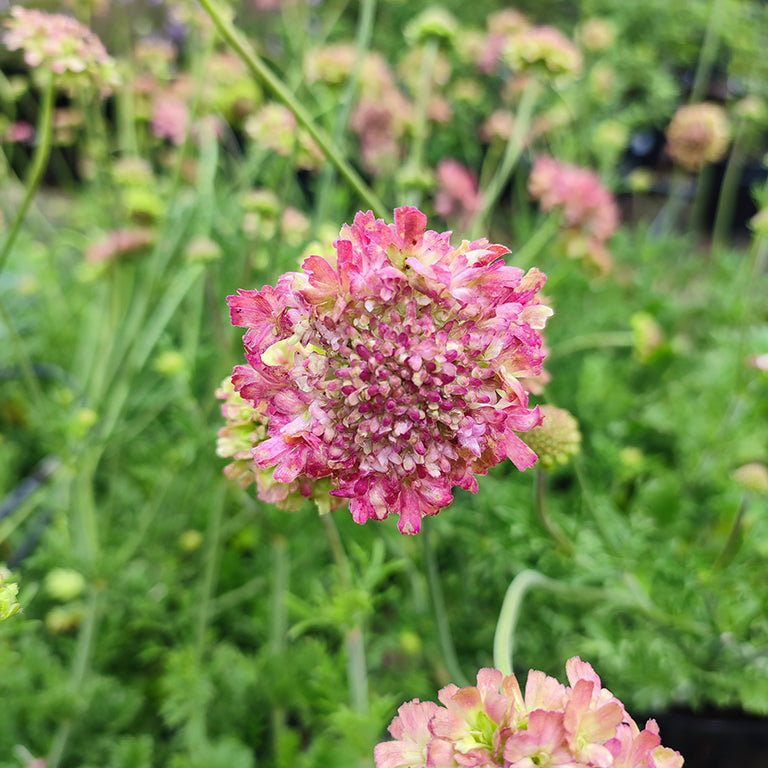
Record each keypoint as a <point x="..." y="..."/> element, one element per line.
<point x="551" y="725"/>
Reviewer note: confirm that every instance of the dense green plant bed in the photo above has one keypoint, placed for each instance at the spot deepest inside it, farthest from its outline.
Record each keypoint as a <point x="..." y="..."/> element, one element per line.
<point x="174" y="590"/>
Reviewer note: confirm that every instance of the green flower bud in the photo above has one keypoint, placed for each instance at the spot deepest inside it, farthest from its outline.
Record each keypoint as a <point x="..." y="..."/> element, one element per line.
<point x="752" y="477"/>
<point x="435" y="23"/>
<point x="64" y="584"/>
<point x="557" y="439"/>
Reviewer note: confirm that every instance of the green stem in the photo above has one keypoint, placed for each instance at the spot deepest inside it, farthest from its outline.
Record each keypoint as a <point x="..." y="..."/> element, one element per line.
<point x="362" y="43"/>
<point x="504" y="639"/>
<point x="80" y="668"/>
<point x="354" y="640"/>
<point x="441" y="615"/>
<point x="415" y="164"/>
<point x="726" y="201"/>
<point x="541" y="507"/>
<point x="598" y="340"/>
<point x="260" y="70"/>
<point x="536" y="243"/>
<point x="277" y="628"/>
<point x="708" y="51"/>
<point x="511" y="155"/>
<point x="37" y="169"/>
<point x="732" y="544"/>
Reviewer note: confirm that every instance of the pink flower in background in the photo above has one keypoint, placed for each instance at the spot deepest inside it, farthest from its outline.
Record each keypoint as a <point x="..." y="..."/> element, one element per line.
<point x="590" y="213"/>
<point x="492" y="724"/>
<point x="20" y="131"/>
<point x="119" y="243"/>
<point x="170" y="119"/>
<point x="62" y="45"/>
<point x="403" y="381"/>
<point x="457" y="193"/>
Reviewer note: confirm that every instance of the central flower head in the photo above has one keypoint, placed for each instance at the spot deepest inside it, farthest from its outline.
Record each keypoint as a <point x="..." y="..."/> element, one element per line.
<point x="402" y="374"/>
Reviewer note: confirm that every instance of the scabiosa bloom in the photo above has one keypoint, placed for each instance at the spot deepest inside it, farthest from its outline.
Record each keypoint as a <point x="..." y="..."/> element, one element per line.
<point x="61" y="44"/>
<point x="698" y="134"/>
<point x="589" y="210"/>
<point x="404" y="377"/>
<point x="457" y="192"/>
<point x="494" y="723"/>
<point x="170" y="119"/>
<point x="543" y="48"/>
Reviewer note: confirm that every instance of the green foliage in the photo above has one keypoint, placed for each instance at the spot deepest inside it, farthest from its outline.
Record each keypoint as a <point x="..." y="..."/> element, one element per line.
<point x="216" y="630"/>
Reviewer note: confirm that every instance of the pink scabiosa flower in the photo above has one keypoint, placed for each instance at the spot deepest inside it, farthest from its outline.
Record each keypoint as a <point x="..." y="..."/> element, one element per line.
<point x="457" y="193"/>
<point x="552" y="726"/>
<point x="170" y="119"/>
<point x="590" y="213"/>
<point x="403" y="380"/>
<point x="62" y="45"/>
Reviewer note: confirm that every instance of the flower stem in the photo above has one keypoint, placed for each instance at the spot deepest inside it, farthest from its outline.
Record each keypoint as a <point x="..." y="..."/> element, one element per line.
<point x="536" y="243"/>
<point x="415" y="164"/>
<point x="708" y="52"/>
<point x="362" y="43"/>
<point x="597" y="340"/>
<point x="354" y="640"/>
<point x="541" y="507"/>
<point x="260" y="70"/>
<point x="37" y="169"/>
<point x="511" y="155"/>
<point x="726" y="201"/>
<point x="441" y="615"/>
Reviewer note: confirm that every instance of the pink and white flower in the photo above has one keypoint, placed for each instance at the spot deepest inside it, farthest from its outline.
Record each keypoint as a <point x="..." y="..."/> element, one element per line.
<point x="554" y="726"/>
<point x="404" y="377"/>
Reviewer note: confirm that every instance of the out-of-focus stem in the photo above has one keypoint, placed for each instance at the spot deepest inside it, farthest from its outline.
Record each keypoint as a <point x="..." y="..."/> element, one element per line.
<point x="415" y="163"/>
<point x="546" y="520"/>
<point x="511" y="154"/>
<point x="726" y="201"/>
<point x="441" y="615"/>
<point x="37" y="169"/>
<point x="708" y="51"/>
<point x="354" y="639"/>
<point x="260" y="70"/>
<point x="362" y="43"/>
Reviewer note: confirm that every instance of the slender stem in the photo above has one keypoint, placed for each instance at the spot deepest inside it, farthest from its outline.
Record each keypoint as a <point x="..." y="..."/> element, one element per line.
<point x="597" y="340"/>
<point x="726" y="201"/>
<point x="678" y="196"/>
<point x="503" y="640"/>
<point x="362" y="43"/>
<point x="708" y="51"/>
<point x="354" y="640"/>
<point x="80" y="670"/>
<point x="278" y="627"/>
<point x="732" y="544"/>
<point x="536" y="243"/>
<point x="541" y="507"/>
<point x="37" y="169"/>
<point x="441" y="615"/>
<point x="415" y="162"/>
<point x="511" y="154"/>
<point x="260" y="70"/>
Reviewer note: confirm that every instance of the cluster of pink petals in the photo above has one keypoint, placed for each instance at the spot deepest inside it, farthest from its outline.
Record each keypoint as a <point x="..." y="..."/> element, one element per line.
<point x="403" y="376"/>
<point x="590" y="213"/>
<point x="551" y="725"/>
<point x="458" y="196"/>
<point x="119" y="243"/>
<point x="63" y="45"/>
<point x="381" y="117"/>
<point x="170" y="119"/>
